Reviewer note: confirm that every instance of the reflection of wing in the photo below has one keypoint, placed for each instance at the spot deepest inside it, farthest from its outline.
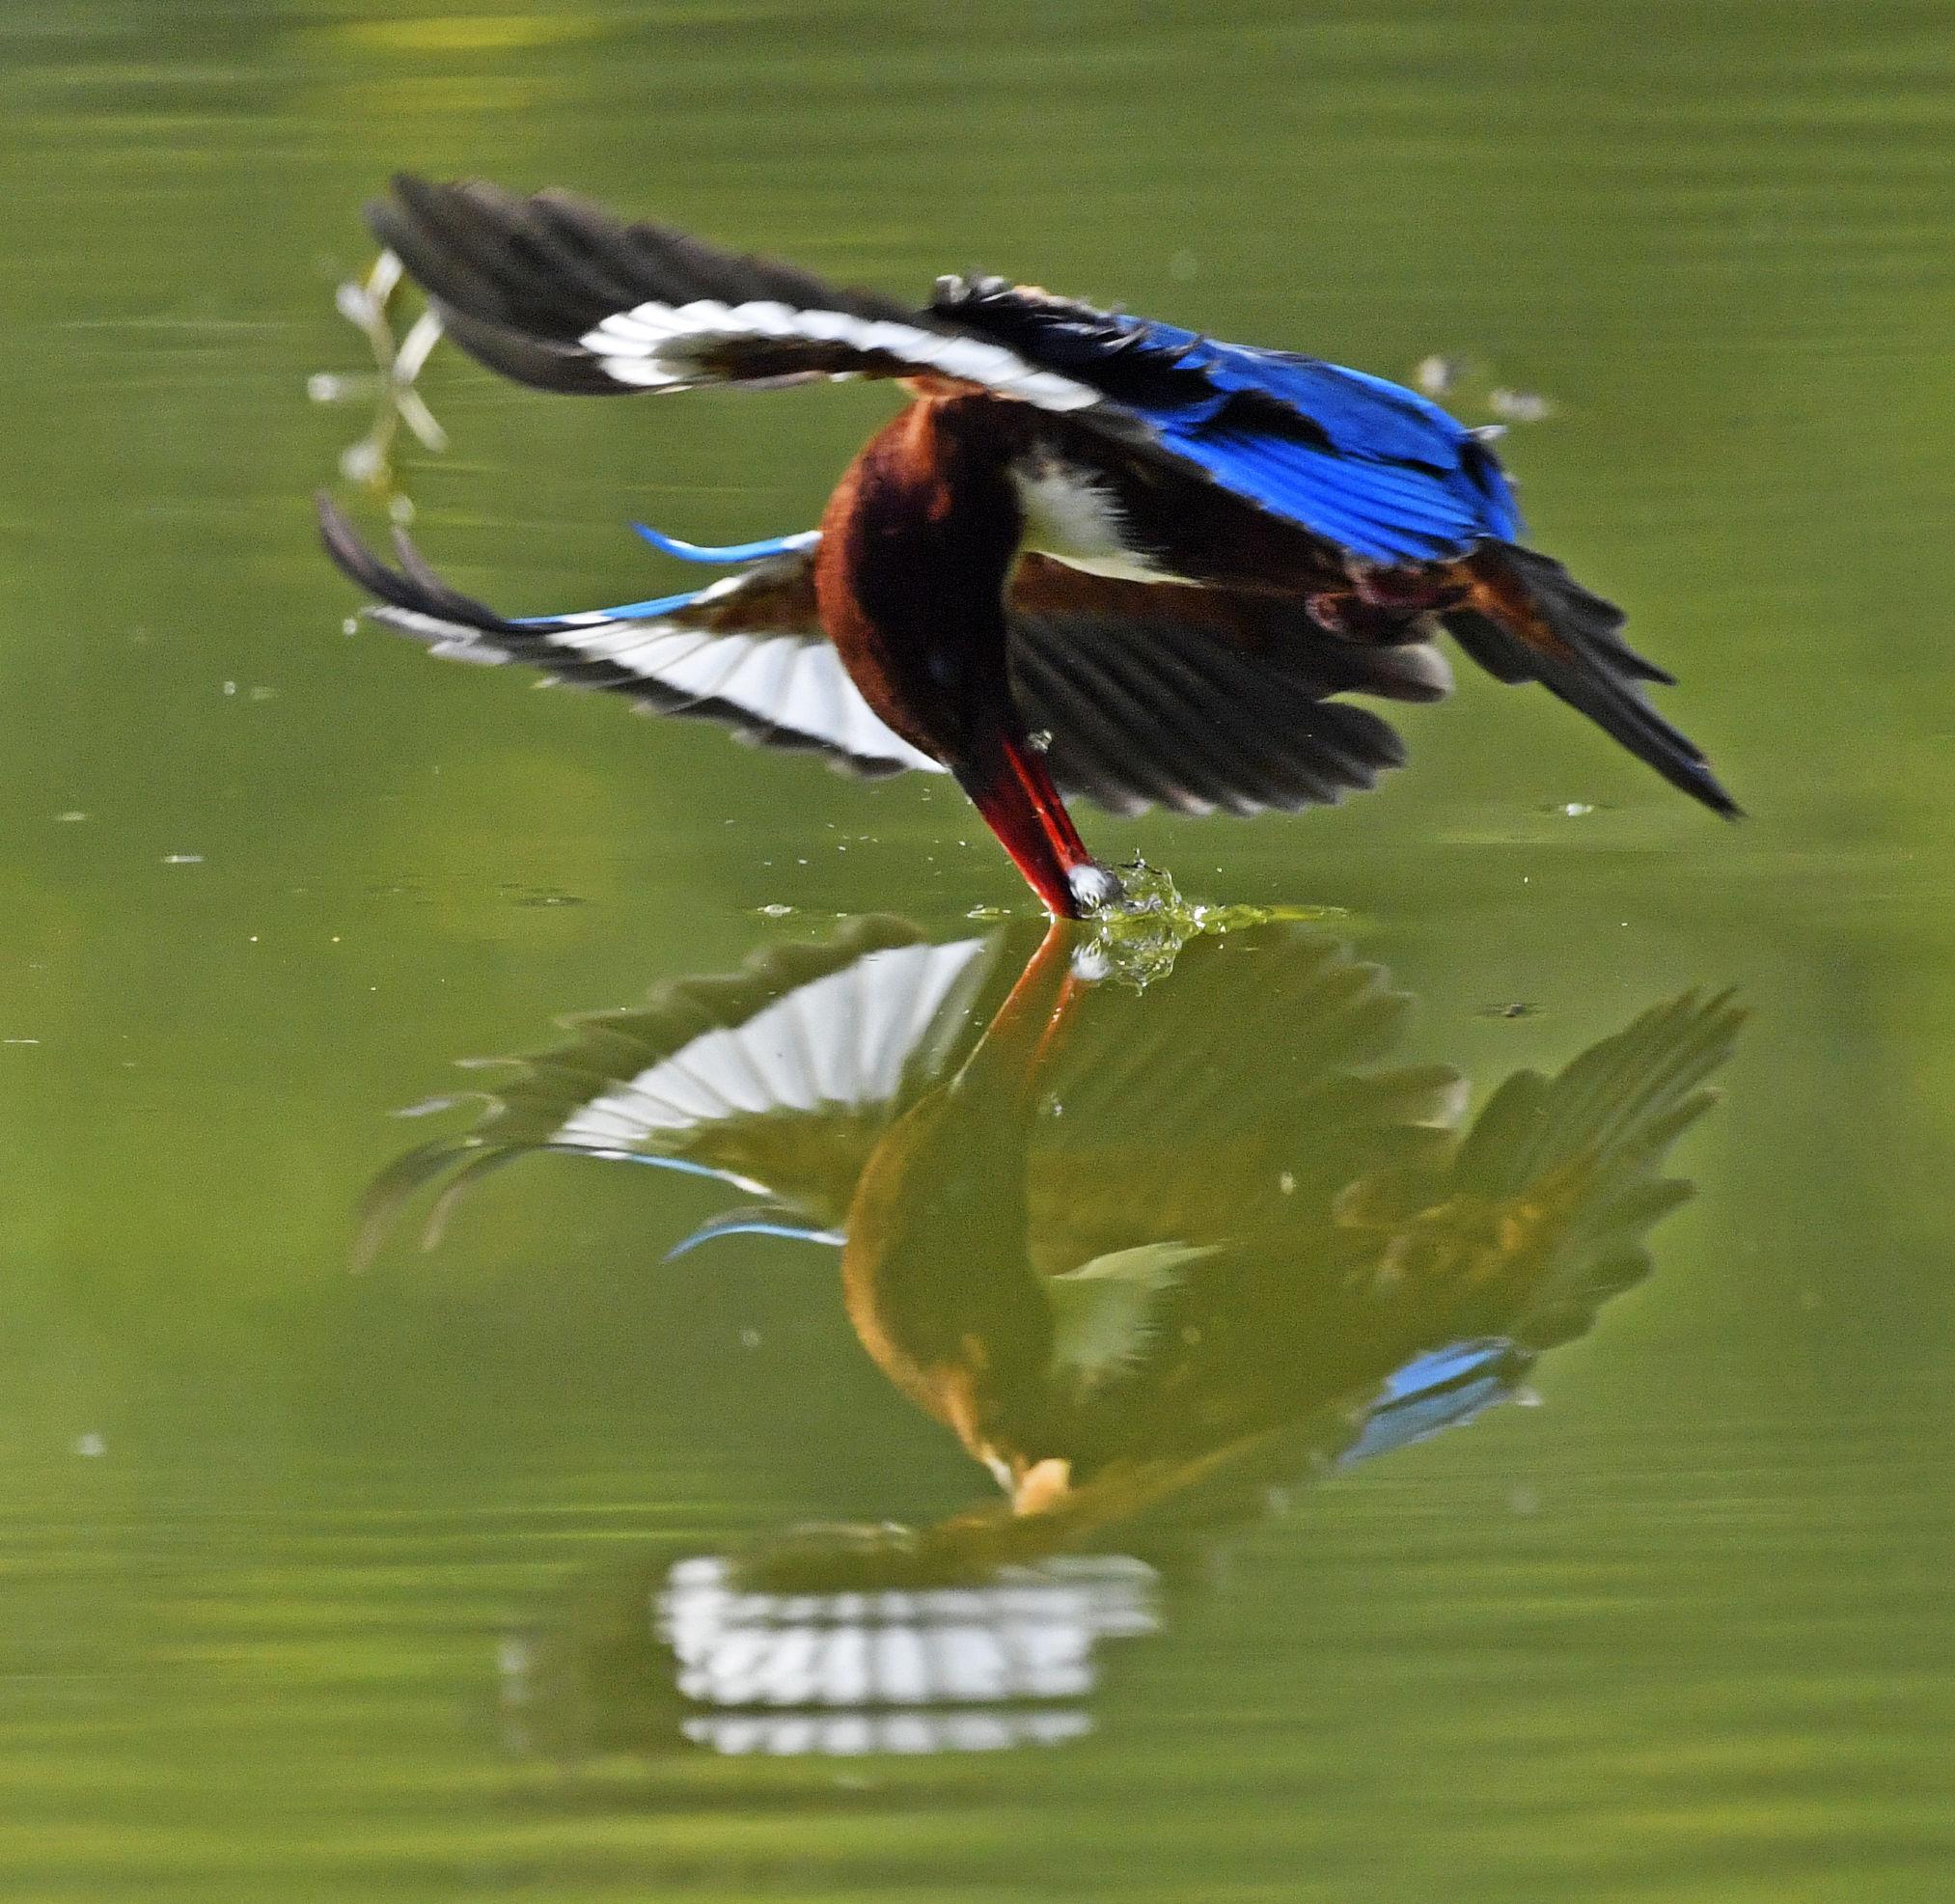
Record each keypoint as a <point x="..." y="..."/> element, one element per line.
<point x="1194" y="699"/>
<point x="1230" y="1103"/>
<point x="1393" y="1280"/>
<point x="1540" y="1216"/>
<point x="980" y="1666"/>
<point x="779" y="1078"/>
<point x="835" y="1641"/>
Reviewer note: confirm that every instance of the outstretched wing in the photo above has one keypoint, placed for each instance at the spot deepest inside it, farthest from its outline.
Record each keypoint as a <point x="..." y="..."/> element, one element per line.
<point x="776" y="1079"/>
<point x="1192" y="699"/>
<point x="1199" y="699"/>
<point x="746" y="650"/>
<point x="1364" y="464"/>
<point x="555" y="293"/>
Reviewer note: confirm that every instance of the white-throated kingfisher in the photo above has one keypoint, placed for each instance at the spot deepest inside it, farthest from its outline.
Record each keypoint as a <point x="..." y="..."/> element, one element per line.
<point x="1095" y="554"/>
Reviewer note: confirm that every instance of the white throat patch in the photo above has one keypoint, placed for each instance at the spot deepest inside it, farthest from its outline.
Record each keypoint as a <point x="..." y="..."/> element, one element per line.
<point x="1073" y="516"/>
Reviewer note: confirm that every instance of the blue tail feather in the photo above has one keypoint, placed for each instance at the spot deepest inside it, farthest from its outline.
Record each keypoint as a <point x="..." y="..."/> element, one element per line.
<point x="727" y="552"/>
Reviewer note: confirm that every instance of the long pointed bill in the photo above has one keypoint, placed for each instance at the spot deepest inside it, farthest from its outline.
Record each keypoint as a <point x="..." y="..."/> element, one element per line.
<point x="1010" y="785"/>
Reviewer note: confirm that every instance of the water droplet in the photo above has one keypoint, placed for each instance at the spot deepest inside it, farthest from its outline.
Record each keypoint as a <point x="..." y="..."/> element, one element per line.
<point x="1519" y="405"/>
<point x="1440" y="375"/>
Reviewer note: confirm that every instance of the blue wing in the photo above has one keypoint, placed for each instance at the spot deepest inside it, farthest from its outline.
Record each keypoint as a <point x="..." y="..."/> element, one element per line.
<point x="1393" y="478"/>
<point x="1361" y="463"/>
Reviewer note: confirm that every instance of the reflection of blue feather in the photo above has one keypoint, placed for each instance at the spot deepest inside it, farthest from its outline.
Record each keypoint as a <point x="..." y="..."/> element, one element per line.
<point x="1439" y="1389"/>
<point x="764" y="1221"/>
<point x="683" y="1165"/>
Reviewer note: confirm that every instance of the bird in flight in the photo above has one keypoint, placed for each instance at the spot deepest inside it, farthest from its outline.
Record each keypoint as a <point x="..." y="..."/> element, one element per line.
<point x="1095" y="554"/>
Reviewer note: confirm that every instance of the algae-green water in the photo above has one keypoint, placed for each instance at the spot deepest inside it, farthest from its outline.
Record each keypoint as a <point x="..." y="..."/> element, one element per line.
<point x="318" y="1584"/>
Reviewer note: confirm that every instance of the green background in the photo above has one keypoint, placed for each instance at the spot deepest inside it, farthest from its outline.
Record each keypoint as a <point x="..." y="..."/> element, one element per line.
<point x="1682" y="1634"/>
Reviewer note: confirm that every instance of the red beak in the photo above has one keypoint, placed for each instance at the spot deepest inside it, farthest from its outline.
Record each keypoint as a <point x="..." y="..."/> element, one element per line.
<point x="1010" y="785"/>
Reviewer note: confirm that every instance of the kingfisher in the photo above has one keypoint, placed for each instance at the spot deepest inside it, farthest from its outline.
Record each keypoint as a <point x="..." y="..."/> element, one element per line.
<point x="1095" y="554"/>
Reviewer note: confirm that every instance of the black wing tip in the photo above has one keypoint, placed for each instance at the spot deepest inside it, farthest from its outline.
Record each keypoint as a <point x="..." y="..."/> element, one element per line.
<point x="345" y="549"/>
<point x="1591" y="668"/>
<point x="394" y="216"/>
<point x="1719" y="802"/>
<point x="413" y="589"/>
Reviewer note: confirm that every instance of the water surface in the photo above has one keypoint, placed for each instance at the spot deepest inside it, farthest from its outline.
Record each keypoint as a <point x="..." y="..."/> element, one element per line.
<point x="348" y="1586"/>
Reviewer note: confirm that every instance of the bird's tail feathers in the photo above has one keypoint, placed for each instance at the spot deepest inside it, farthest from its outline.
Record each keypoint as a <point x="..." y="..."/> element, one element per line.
<point x="1526" y="619"/>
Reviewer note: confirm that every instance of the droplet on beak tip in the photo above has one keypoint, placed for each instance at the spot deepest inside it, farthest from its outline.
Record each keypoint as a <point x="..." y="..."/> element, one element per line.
<point x="1094" y="887"/>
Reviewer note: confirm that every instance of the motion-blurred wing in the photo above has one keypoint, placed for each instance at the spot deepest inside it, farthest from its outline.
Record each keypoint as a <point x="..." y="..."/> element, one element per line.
<point x="746" y="650"/>
<point x="776" y="1079"/>
<point x="555" y="293"/>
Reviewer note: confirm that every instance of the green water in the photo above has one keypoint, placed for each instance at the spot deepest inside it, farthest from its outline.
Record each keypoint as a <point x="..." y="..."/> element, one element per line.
<point x="325" y="1585"/>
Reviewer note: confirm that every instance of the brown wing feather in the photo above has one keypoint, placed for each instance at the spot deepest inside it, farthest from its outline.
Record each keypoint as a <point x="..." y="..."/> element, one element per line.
<point x="1199" y="699"/>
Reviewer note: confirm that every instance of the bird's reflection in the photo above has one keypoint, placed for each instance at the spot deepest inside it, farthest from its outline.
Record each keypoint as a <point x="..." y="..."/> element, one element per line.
<point x="1149" y="1256"/>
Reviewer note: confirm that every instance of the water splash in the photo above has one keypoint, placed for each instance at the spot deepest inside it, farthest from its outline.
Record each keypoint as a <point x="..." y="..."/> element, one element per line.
<point x="1138" y="939"/>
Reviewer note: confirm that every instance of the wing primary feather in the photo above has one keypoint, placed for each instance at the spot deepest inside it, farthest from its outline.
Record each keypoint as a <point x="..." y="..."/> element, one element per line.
<point x="1145" y="707"/>
<point x="756" y="679"/>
